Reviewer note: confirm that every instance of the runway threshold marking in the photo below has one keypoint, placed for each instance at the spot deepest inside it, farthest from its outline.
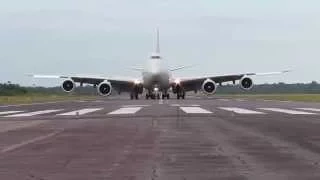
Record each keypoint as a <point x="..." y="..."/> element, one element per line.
<point x="80" y="112"/>
<point x="34" y="113"/>
<point x="195" y="110"/>
<point x="240" y="110"/>
<point x="184" y="105"/>
<point x="287" y="111"/>
<point x="9" y="112"/>
<point x="135" y="105"/>
<point x="309" y="109"/>
<point x="126" y="110"/>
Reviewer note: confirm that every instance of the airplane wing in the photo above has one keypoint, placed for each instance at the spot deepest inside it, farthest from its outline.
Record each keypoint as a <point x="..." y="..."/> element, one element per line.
<point x="123" y="84"/>
<point x="195" y="83"/>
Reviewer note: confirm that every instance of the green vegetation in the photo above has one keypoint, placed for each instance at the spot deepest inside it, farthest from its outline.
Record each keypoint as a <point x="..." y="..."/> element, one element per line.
<point x="282" y="97"/>
<point x="26" y="99"/>
<point x="15" y="94"/>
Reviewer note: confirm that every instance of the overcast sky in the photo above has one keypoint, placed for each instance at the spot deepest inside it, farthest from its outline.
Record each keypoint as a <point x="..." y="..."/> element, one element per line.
<point x="108" y="37"/>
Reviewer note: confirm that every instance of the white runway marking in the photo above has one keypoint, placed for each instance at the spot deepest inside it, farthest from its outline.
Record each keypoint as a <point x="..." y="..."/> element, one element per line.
<point x="240" y="110"/>
<point x="240" y="100"/>
<point x="265" y="100"/>
<point x="127" y="110"/>
<point x="9" y="112"/>
<point x="136" y="105"/>
<point x="195" y="110"/>
<point x="287" y="111"/>
<point x="17" y="105"/>
<point x="34" y="113"/>
<point x="187" y="105"/>
<point x="80" y="112"/>
<point x="224" y="99"/>
<point x="285" y="101"/>
<point x="309" y="109"/>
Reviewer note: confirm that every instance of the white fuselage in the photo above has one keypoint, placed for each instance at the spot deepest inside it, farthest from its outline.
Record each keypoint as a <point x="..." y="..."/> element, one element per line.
<point x="156" y="74"/>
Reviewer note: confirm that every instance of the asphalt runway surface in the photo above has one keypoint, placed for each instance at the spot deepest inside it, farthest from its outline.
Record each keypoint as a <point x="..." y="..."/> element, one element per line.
<point x="197" y="138"/>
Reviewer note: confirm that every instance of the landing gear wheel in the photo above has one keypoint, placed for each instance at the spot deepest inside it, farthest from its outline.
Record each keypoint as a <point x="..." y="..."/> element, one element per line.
<point x="168" y="96"/>
<point x="131" y="96"/>
<point x="136" y="96"/>
<point x="147" y="96"/>
<point x="158" y="96"/>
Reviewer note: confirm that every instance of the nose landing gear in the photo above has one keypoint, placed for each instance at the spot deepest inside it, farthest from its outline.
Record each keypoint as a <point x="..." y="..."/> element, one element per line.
<point x="181" y="95"/>
<point x="180" y="92"/>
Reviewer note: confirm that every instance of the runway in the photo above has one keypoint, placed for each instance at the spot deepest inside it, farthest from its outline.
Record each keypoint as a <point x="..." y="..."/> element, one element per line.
<point x="197" y="138"/>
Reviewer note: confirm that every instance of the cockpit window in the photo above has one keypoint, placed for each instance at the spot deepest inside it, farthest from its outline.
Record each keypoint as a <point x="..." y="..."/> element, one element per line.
<point x="155" y="57"/>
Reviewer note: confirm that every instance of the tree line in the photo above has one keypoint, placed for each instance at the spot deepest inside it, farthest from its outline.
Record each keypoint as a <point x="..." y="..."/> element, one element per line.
<point x="9" y="89"/>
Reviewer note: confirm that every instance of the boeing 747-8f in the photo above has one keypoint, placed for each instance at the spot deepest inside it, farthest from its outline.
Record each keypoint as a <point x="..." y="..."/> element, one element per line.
<point x="156" y="80"/>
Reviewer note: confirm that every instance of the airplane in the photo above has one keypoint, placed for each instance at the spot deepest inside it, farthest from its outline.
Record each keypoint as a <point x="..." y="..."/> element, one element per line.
<point x="157" y="80"/>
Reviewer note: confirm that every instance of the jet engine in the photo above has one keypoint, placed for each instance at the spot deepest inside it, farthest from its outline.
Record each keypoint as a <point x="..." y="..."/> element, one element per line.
<point x="209" y="86"/>
<point x="104" y="88"/>
<point x="68" y="85"/>
<point x="246" y="83"/>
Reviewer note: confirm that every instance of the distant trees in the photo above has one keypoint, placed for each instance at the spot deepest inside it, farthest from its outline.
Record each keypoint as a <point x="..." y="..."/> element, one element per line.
<point x="309" y="88"/>
<point x="9" y="89"/>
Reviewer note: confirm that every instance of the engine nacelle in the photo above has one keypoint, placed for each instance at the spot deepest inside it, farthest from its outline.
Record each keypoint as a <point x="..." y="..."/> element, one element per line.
<point x="209" y="86"/>
<point x="68" y="85"/>
<point x="246" y="83"/>
<point x="104" y="88"/>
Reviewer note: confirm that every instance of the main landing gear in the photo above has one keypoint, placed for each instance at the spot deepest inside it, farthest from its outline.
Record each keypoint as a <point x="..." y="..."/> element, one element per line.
<point x="157" y="95"/>
<point x="166" y="96"/>
<point x="134" y="95"/>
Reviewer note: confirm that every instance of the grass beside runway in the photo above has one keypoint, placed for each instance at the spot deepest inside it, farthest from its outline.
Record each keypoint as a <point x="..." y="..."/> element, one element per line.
<point x="38" y="98"/>
<point x="282" y="97"/>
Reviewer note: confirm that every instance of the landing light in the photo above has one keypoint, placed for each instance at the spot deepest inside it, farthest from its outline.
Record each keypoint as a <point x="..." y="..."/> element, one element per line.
<point x="156" y="89"/>
<point x="177" y="81"/>
<point x="137" y="82"/>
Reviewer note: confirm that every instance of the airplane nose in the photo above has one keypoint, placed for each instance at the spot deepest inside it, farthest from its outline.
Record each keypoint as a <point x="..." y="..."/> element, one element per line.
<point x="155" y="70"/>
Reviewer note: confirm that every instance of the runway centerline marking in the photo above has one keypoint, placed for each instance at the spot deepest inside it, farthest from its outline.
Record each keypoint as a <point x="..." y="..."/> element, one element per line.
<point x="126" y="110"/>
<point x="240" y="110"/>
<point x="34" y="113"/>
<point x="195" y="110"/>
<point x="80" y="112"/>
<point x="309" y="109"/>
<point x="9" y="112"/>
<point x="287" y="111"/>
